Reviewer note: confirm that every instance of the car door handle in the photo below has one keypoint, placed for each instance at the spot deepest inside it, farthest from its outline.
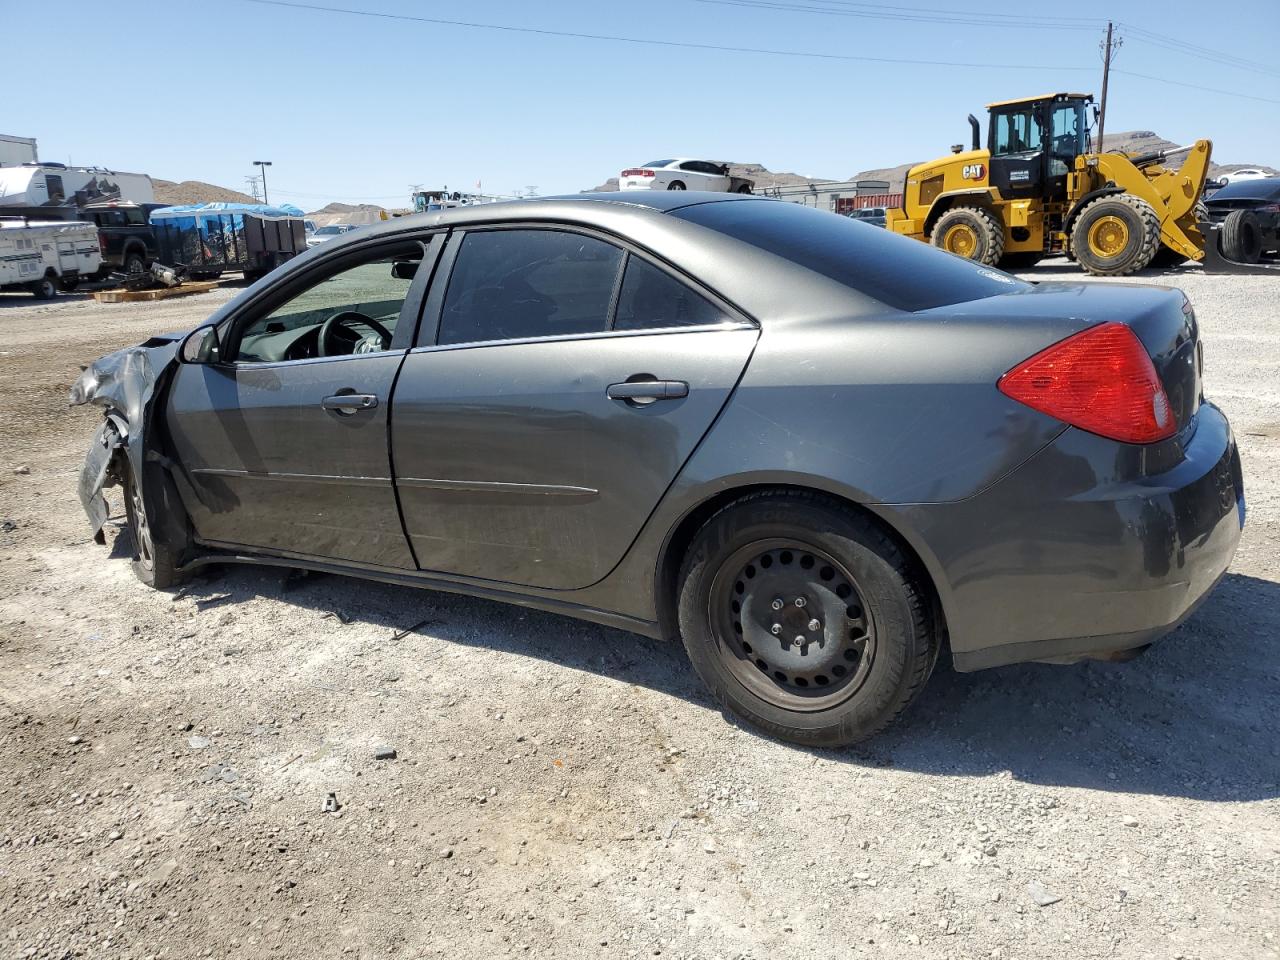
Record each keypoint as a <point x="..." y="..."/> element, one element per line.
<point x="348" y="403"/>
<point x="646" y="391"/>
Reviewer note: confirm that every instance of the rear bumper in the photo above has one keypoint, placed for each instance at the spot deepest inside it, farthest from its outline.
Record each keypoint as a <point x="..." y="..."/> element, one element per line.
<point x="1062" y="560"/>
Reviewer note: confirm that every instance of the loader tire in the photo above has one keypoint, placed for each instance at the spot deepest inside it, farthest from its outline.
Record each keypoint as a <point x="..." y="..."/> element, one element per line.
<point x="970" y="232"/>
<point x="1242" y="237"/>
<point x="1115" y="235"/>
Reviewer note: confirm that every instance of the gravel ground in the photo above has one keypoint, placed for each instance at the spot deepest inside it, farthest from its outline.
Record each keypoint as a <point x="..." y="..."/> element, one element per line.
<point x="561" y="789"/>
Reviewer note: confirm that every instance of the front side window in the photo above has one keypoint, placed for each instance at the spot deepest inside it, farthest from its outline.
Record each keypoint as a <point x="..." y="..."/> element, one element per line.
<point x="514" y="284"/>
<point x="1017" y="132"/>
<point x="354" y="310"/>
<point x="652" y="299"/>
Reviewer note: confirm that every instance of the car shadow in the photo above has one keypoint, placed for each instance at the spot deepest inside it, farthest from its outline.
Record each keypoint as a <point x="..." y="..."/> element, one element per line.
<point x="1192" y="718"/>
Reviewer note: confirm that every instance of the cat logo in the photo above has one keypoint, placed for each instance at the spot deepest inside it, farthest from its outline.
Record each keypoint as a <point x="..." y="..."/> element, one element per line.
<point x="974" y="171"/>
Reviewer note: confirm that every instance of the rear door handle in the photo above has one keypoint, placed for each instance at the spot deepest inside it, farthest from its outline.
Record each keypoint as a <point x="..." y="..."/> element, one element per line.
<point x="349" y="403"/>
<point x="647" y="391"/>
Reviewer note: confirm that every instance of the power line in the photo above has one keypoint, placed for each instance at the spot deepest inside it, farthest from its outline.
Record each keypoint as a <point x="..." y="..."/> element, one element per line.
<point x="687" y="45"/>
<point x="1143" y="35"/>
<point x="1193" y="86"/>
<point x="909" y="14"/>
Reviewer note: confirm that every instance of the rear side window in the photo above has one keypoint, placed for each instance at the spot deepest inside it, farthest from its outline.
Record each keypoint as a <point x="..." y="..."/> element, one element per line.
<point x="511" y="284"/>
<point x="895" y="270"/>
<point x="651" y="299"/>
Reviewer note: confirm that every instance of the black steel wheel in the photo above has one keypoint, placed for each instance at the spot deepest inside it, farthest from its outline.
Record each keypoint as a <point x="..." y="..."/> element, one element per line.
<point x="804" y="617"/>
<point x="154" y="563"/>
<point x="791" y="625"/>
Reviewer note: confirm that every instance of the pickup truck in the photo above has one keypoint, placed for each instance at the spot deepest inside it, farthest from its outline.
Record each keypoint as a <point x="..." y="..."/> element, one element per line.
<point x="125" y="235"/>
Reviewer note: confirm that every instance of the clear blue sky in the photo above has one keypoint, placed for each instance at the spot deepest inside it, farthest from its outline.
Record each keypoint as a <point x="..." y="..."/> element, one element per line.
<point x="357" y="108"/>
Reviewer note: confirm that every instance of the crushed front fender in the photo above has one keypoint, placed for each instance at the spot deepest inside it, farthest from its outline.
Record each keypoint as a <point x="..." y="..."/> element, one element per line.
<point x="124" y="384"/>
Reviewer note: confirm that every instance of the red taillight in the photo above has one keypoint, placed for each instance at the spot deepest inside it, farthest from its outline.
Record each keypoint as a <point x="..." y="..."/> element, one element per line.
<point x="1100" y="380"/>
<point x="638" y="172"/>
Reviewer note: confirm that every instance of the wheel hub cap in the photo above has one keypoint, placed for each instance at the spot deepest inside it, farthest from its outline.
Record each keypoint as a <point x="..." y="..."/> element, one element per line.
<point x="1108" y="236"/>
<point x="961" y="240"/>
<point x="791" y="625"/>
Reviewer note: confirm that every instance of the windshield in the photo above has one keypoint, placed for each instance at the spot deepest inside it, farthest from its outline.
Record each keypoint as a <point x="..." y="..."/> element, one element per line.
<point x="898" y="271"/>
<point x="332" y="229"/>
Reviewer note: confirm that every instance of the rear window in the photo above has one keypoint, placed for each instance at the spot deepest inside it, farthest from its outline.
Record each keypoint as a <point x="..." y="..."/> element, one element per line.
<point x="659" y="163"/>
<point x="895" y="270"/>
<point x="1268" y="189"/>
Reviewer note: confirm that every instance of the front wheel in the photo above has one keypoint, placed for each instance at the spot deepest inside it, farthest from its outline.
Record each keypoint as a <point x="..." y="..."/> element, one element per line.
<point x="804" y="618"/>
<point x="1115" y="236"/>
<point x="155" y="564"/>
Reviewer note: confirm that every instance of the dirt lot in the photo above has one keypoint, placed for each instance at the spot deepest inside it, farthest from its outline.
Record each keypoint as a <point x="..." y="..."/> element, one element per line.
<point x="566" y="790"/>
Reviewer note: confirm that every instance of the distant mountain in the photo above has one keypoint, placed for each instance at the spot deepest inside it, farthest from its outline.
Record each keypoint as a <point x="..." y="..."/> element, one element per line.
<point x="196" y="191"/>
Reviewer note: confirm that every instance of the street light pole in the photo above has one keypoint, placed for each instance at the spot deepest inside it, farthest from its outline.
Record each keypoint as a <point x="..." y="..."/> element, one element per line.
<point x="263" y="164"/>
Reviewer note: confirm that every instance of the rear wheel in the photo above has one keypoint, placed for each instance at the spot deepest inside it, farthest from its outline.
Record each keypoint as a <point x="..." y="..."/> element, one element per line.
<point x="155" y="564"/>
<point x="1242" y="236"/>
<point x="134" y="265"/>
<point x="676" y="185"/>
<point x="804" y="619"/>
<point x="1115" y="236"/>
<point x="46" y="288"/>
<point x="970" y="232"/>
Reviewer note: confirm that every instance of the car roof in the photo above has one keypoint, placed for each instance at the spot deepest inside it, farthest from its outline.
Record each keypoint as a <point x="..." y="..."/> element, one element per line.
<point x="1259" y="188"/>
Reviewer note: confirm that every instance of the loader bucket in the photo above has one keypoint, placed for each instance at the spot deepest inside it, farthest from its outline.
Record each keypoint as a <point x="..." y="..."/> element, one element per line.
<point x="1215" y="261"/>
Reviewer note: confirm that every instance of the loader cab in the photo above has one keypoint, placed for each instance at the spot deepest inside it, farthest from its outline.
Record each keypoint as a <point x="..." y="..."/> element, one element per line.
<point x="1034" y="143"/>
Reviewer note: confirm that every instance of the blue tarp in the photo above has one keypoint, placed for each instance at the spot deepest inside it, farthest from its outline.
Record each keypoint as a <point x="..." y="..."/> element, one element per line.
<point x="257" y="209"/>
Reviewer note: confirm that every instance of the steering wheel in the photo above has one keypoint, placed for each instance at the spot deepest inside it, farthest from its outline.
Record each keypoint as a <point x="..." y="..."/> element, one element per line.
<point x="338" y="337"/>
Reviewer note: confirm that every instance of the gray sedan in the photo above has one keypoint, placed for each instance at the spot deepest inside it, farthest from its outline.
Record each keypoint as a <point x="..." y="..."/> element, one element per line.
<point x="822" y="455"/>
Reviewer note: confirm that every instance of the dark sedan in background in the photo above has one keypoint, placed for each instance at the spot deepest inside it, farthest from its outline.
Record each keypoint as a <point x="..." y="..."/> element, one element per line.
<point x="1249" y="211"/>
<point x="820" y="454"/>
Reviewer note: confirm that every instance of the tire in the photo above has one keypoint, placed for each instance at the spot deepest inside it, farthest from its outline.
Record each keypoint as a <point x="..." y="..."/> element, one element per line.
<point x="873" y="646"/>
<point x="743" y="189"/>
<point x="155" y="564"/>
<point x="135" y="265"/>
<point x="1242" y="237"/>
<point x="970" y="232"/>
<point x="1115" y="235"/>
<point x="46" y="288"/>
<point x="676" y="185"/>
<point x="1020" y="261"/>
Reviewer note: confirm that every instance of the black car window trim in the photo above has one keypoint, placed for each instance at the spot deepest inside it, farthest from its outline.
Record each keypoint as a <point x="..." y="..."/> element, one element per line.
<point x="429" y="328"/>
<point x="326" y="266"/>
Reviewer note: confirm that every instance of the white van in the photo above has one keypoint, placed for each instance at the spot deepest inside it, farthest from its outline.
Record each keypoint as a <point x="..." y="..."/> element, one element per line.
<point x="45" y="256"/>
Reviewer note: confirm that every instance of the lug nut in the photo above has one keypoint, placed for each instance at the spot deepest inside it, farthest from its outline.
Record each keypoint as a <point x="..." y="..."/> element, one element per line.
<point x="776" y="629"/>
<point x="801" y="601"/>
<point x="815" y="625"/>
<point x="801" y="641"/>
<point x="778" y="604"/>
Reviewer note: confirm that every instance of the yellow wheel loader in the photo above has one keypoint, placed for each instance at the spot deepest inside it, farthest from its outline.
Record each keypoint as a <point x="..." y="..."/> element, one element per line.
<point x="1037" y="189"/>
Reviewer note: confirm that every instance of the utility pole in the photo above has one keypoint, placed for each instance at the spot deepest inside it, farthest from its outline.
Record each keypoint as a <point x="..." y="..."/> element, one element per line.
<point x="1109" y="48"/>
<point x="263" y="164"/>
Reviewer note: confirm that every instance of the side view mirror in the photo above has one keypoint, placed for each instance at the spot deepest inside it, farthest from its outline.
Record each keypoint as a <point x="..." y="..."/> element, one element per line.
<point x="201" y="346"/>
<point x="405" y="269"/>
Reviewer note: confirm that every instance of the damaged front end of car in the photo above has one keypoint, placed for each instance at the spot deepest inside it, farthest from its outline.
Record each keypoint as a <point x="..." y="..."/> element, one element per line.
<point x="126" y="385"/>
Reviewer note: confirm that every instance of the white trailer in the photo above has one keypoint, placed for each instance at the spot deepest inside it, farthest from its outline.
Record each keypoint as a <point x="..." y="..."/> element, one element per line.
<point x="45" y="256"/>
<point x="56" y="185"/>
